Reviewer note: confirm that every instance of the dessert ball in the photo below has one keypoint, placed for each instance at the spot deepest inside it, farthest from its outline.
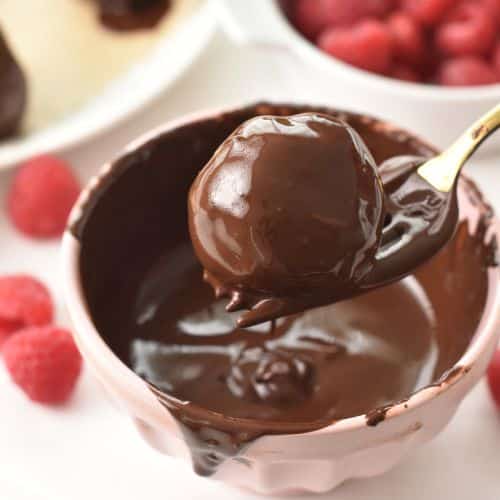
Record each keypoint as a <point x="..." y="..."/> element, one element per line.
<point x="289" y="209"/>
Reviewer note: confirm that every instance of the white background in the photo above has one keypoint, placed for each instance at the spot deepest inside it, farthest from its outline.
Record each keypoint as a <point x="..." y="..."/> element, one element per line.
<point x="87" y="450"/>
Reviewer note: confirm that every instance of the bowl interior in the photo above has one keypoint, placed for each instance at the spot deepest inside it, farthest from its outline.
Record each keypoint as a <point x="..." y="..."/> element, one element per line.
<point x="139" y="208"/>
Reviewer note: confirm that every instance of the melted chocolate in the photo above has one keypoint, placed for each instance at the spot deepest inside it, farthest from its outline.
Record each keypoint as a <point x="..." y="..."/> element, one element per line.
<point x="288" y="214"/>
<point x="289" y="372"/>
<point x="146" y="296"/>
<point x="13" y="91"/>
<point x="125" y="15"/>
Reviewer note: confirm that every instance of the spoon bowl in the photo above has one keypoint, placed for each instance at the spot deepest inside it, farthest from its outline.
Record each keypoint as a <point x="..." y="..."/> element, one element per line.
<point x="421" y="202"/>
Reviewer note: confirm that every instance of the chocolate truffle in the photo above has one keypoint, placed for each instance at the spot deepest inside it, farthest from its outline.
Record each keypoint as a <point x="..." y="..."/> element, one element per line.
<point x="13" y="92"/>
<point x="287" y="214"/>
<point x="125" y="15"/>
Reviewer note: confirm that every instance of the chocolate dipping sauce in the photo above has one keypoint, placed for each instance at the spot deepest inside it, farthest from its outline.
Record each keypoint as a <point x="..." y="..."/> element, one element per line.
<point x="125" y="15"/>
<point x="13" y="91"/>
<point x="289" y="212"/>
<point x="145" y="293"/>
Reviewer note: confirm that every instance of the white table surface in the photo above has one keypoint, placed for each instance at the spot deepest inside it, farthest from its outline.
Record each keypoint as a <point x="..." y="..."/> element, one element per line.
<point x="87" y="450"/>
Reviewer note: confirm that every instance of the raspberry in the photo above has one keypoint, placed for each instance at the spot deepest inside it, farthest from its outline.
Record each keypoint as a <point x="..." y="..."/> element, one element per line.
<point x="41" y="196"/>
<point x="493" y="377"/>
<point x="7" y="328"/>
<point x="348" y="12"/>
<point x="309" y="17"/>
<point x="466" y="71"/>
<point x="469" y="30"/>
<point x="367" y="45"/>
<point x="496" y="59"/>
<point x="402" y="72"/>
<point x="493" y="7"/>
<point x="408" y="38"/>
<point x="428" y="12"/>
<point x="24" y="301"/>
<point x="44" y="362"/>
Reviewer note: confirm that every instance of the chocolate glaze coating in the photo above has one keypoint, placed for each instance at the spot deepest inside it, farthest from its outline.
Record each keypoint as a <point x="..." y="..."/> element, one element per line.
<point x="288" y="210"/>
<point x="146" y="297"/>
<point x="13" y="91"/>
<point x="125" y="15"/>
<point x="288" y="214"/>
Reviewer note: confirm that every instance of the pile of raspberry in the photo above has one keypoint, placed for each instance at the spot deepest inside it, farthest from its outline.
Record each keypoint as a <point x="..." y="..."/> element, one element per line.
<point x="442" y="42"/>
<point x="41" y="358"/>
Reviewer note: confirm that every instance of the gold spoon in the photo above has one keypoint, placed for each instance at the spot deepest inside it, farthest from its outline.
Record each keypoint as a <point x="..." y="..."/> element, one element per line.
<point x="442" y="171"/>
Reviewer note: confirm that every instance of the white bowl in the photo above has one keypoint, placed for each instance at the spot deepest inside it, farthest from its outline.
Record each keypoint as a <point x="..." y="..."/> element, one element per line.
<point x="124" y="96"/>
<point x="314" y="461"/>
<point x="438" y="114"/>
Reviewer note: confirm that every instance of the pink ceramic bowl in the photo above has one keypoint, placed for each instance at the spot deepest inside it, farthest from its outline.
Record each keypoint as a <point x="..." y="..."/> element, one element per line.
<point x="315" y="461"/>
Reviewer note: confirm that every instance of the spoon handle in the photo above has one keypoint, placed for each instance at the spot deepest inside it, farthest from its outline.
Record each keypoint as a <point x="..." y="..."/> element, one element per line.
<point x="442" y="170"/>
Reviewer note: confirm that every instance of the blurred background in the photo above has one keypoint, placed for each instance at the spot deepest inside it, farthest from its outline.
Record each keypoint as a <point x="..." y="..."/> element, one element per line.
<point x="92" y="90"/>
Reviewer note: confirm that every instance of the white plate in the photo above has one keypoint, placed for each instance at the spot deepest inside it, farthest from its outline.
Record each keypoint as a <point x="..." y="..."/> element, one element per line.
<point x="124" y="96"/>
